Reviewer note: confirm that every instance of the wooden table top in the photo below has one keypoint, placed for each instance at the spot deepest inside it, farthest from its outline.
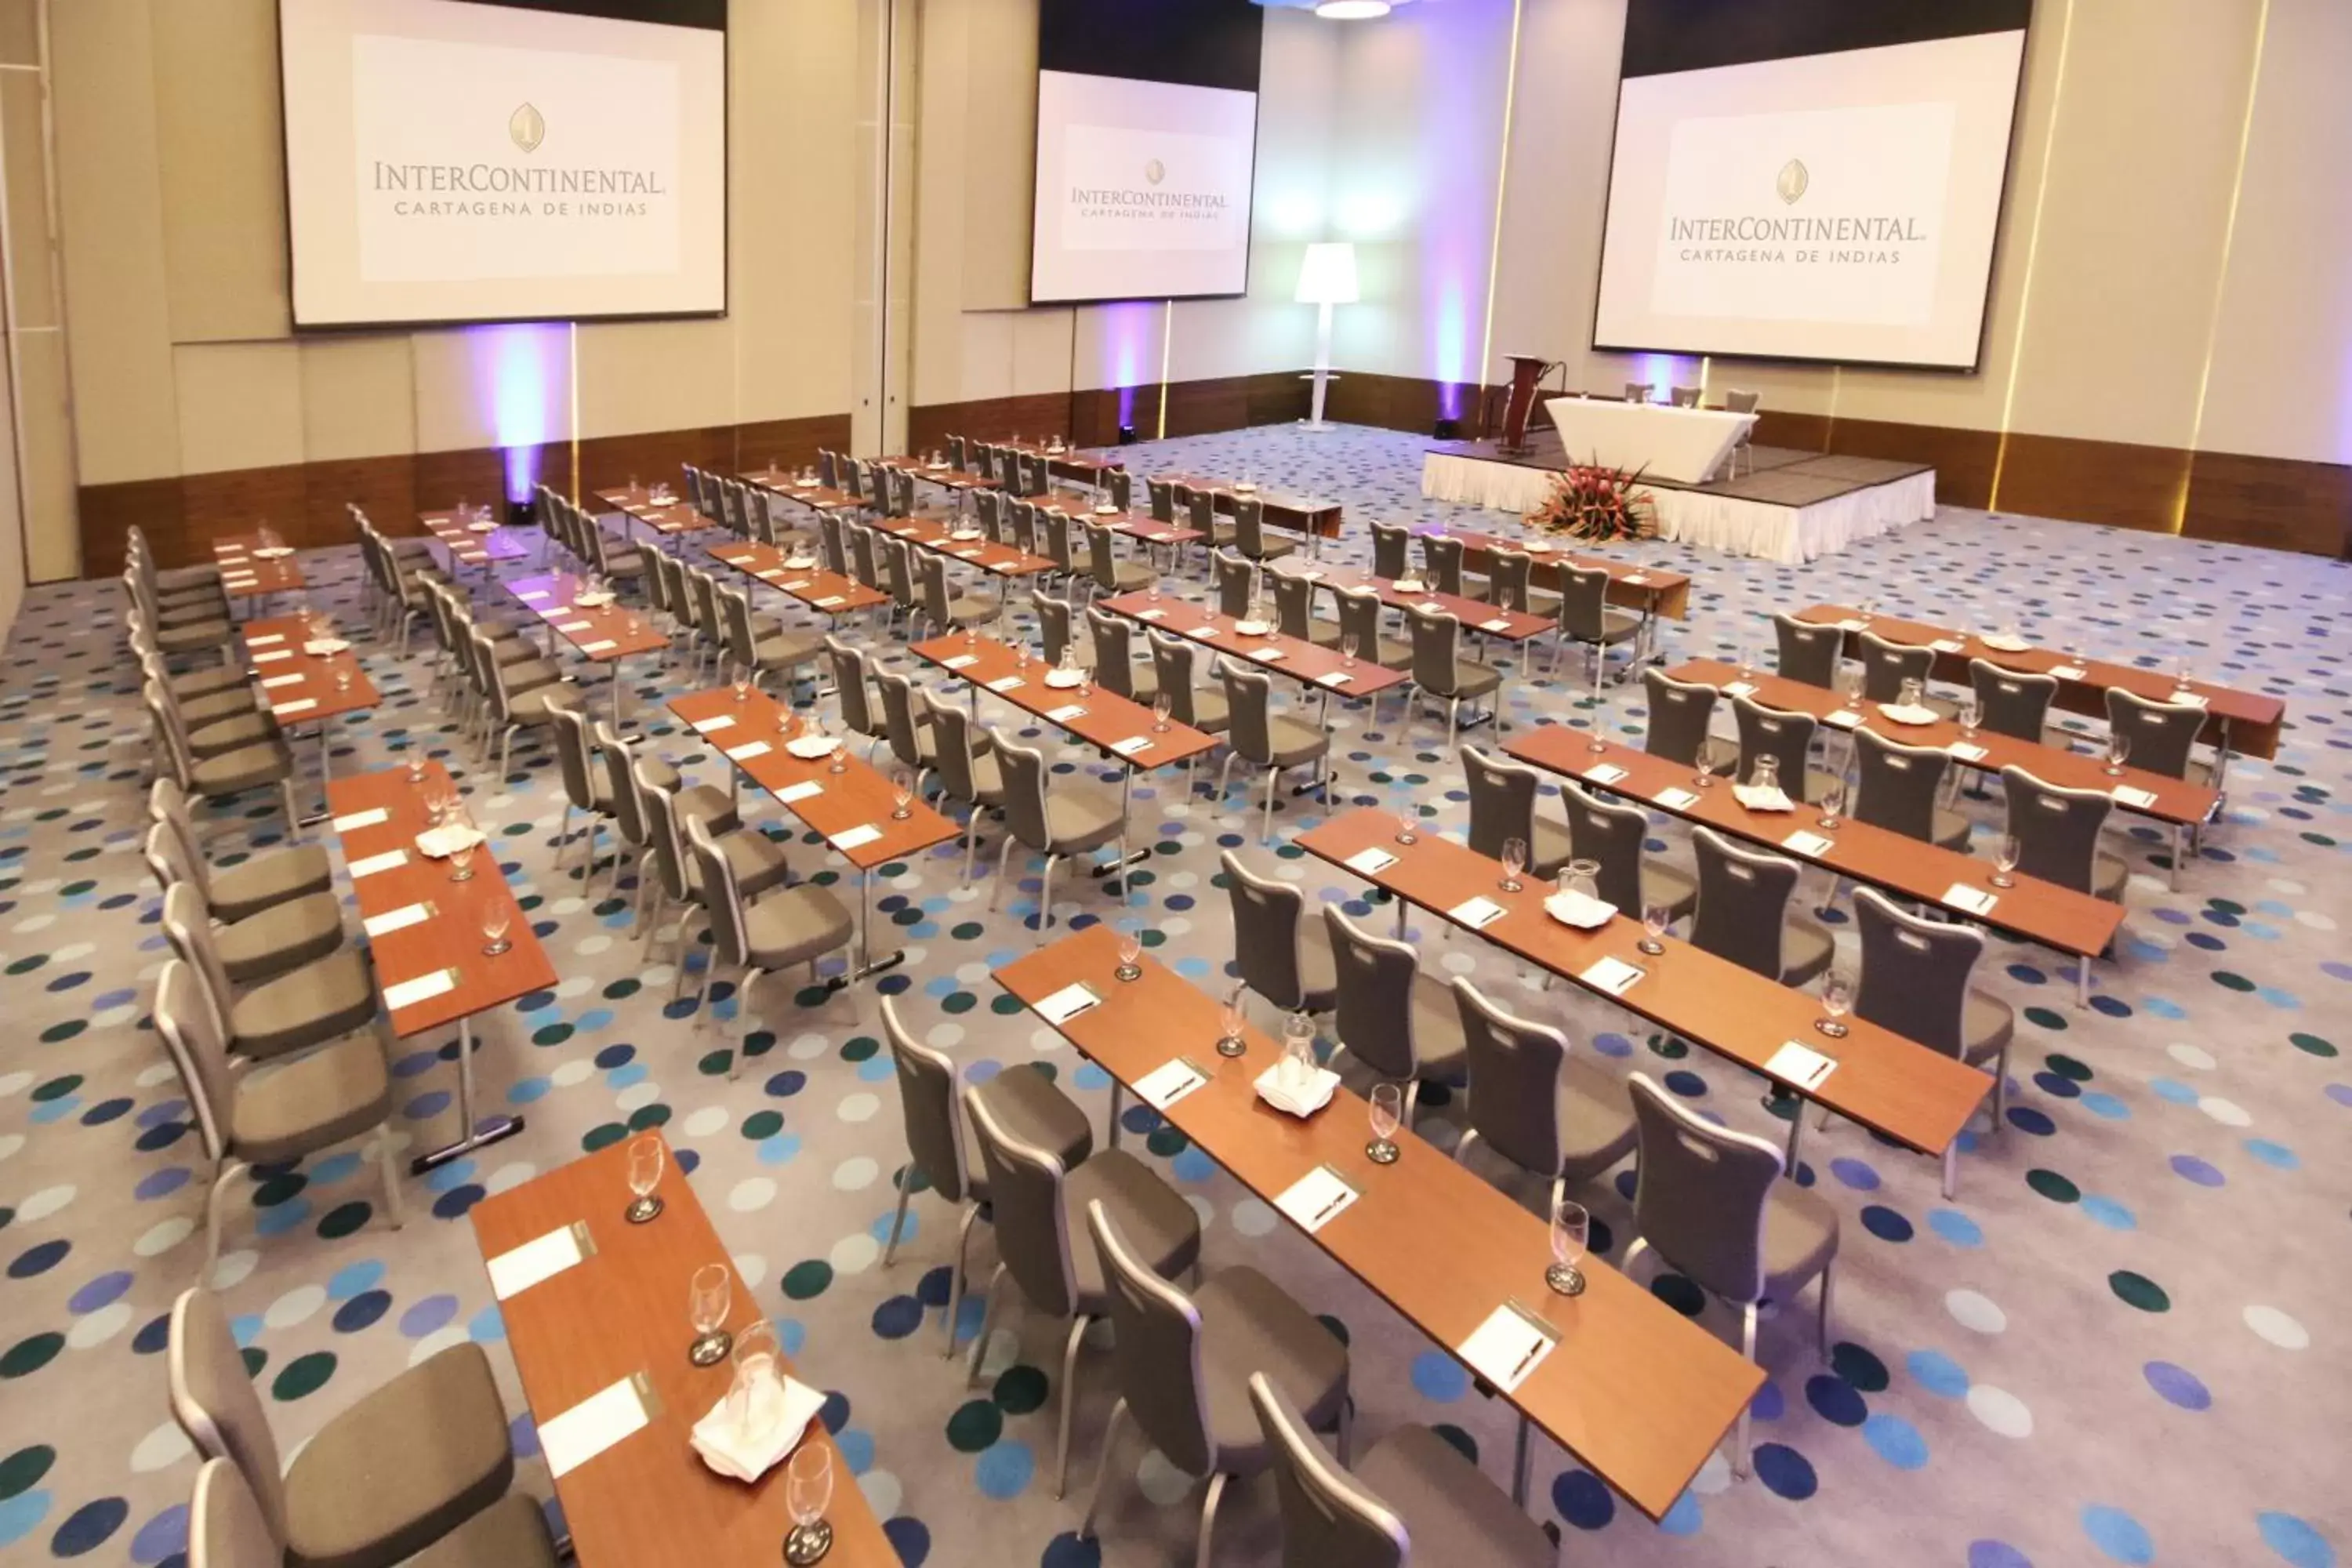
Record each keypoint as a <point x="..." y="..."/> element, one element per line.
<point x="1920" y="1097"/>
<point x="1103" y="720"/>
<point x="2252" y="719"/>
<point x="2176" y="800"/>
<point x="600" y="633"/>
<point x="1638" y="1392"/>
<point x="1068" y="461"/>
<point x="471" y="542"/>
<point x="944" y="474"/>
<point x="1631" y="584"/>
<point x="301" y="687"/>
<point x="1301" y="660"/>
<point x="997" y="559"/>
<point x="647" y="1501"/>
<point x="2035" y="909"/>
<point x="793" y="488"/>
<point x="1475" y="615"/>
<point x="1307" y="513"/>
<point x="813" y="586"/>
<point x="244" y="572"/>
<point x="664" y="511"/>
<point x="451" y="938"/>
<point x="1134" y="524"/>
<point x="860" y="796"/>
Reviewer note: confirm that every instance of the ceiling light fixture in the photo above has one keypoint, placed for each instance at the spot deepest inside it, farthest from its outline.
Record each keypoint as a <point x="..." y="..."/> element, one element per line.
<point x="1352" y="10"/>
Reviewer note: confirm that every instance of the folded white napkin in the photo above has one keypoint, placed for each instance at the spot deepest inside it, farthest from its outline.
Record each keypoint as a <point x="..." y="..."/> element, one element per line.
<point x="1758" y="797"/>
<point x="320" y="648"/>
<point x="731" y="1451"/>
<point x="808" y="748"/>
<point x="1576" y="910"/>
<point x="2007" y="642"/>
<point x="1903" y="715"/>
<point x="442" y="842"/>
<point x="1304" y="1100"/>
<point x="1063" y="680"/>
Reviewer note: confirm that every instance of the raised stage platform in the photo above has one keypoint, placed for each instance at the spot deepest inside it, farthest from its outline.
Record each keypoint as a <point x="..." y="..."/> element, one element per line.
<point x="1794" y="507"/>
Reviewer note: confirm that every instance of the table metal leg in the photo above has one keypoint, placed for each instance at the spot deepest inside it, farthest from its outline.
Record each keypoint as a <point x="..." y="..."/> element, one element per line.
<point x="1115" y="1087"/>
<point x="1133" y="856"/>
<point x="326" y="749"/>
<point x="472" y="1135"/>
<point x="1521" y="1458"/>
<point x="867" y="965"/>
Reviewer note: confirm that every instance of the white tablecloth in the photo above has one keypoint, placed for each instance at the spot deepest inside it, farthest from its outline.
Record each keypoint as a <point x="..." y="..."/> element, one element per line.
<point x="1686" y="444"/>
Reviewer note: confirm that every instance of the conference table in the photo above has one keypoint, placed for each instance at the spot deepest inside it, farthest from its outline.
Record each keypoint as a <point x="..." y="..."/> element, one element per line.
<point x="255" y="565"/>
<point x="609" y="1323"/>
<point x="472" y="538"/>
<point x="1686" y="445"/>
<point x="806" y="492"/>
<point x="1323" y="670"/>
<point x="943" y="474"/>
<point x="1065" y="462"/>
<point x="2245" y="721"/>
<point x="822" y="591"/>
<point x="667" y="517"/>
<point x="1315" y="518"/>
<point x="1890" y="1085"/>
<point x="1475" y="615"/>
<point x="851" y="808"/>
<point x="1000" y="561"/>
<point x="1139" y="526"/>
<point x="601" y="633"/>
<point x="1655" y="590"/>
<point x="1950" y="880"/>
<point x="1638" y="1393"/>
<point x="305" y="687"/>
<point x="425" y="931"/>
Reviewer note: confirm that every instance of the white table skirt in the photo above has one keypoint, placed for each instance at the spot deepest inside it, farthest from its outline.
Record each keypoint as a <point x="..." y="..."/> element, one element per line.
<point x="1685" y="445"/>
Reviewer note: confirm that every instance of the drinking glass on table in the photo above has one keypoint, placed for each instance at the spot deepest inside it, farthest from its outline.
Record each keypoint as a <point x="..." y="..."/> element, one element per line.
<point x="497" y="914"/>
<point x="1581" y="878"/>
<point x="755" y="1401"/>
<point x="1387" y="1111"/>
<point x="1162" y="706"/>
<point x="710" y="1296"/>
<point x="1408" y="825"/>
<point x="1910" y="693"/>
<point x="461" y="858"/>
<point x="1515" y="859"/>
<point x="2180" y="678"/>
<point x="1130" y="949"/>
<point x="415" y="768"/>
<point x="1571" y="1229"/>
<point x="1833" y="802"/>
<point x="647" y="1157"/>
<point x="1298" y="1063"/>
<point x="2007" y="852"/>
<point x="1837" y="1001"/>
<point x="1656" y="920"/>
<point x="1747" y="662"/>
<point x="1232" y="1018"/>
<point x="808" y="1492"/>
<point x="343" y="675"/>
<point x="1972" y="715"/>
<point x="1709" y="764"/>
<point x="1348" y="645"/>
<point x="2118" y="751"/>
<point x="902" y="793"/>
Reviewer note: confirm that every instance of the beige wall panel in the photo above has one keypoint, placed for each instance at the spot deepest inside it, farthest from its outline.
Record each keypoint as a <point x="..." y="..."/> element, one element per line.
<point x="359" y="396"/>
<point x="639" y="376"/>
<point x="28" y="218"/>
<point x="223" y="158"/>
<point x="53" y="539"/>
<point x="20" y="32"/>
<point x="1000" y="152"/>
<point x="110" y="198"/>
<point x="14" y="563"/>
<point x="473" y="384"/>
<point x="240" y="405"/>
<point x="944" y="186"/>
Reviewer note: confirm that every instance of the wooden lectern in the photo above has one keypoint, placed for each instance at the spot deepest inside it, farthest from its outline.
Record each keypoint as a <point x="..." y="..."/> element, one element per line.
<point x="1526" y="369"/>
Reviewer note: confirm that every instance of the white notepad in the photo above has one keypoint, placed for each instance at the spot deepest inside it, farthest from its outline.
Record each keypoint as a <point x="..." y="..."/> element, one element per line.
<point x="1976" y="901"/>
<point x="1966" y="752"/>
<point x="1740" y="689"/>
<point x="574" y="625"/>
<point x="1844" y="718"/>
<point x="1316" y="1198"/>
<point x="1066" y="713"/>
<point x="1804" y="841"/>
<point x="856" y="837"/>
<point x="714" y="722"/>
<point x="826" y="603"/>
<point x="374" y="863"/>
<point x="299" y="705"/>
<point x="1801" y="1066"/>
<point x="1507" y="1347"/>
<point x="800" y="792"/>
<point x="1499" y="623"/>
<point x="1612" y="976"/>
<point x="1132" y="746"/>
<point x="1149" y="614"/>
<point x="1268" y="655"/>
<point x="2069" y="671"/>
<point x="1677" y="798"/>
<point x="1165" y="1086"/>
<point x="1006" y="683"/>
<point x="746" y="752"/>
<point x="2140" y="798"/>
<point x="532" y="594"/>
<point x="394" y="920"/>
<point x="959" y="661"/>
<point x="1369" y="862"/>
<point x="424" y="988"/>
<point x="1068" y="1003"/>
<point x="1604" y="773"/>
<point x="360" y="819"/>
<point x="276" y="682"/>
<point x="591" y="1427"/>
<point x="273" y="658"/>
<point x="597" y="646"/>
<point x="265" y="639"/>
<point x="1947" y="645"/>
<point x="1336" y="677"/>
<point x="1478" y="914"/>
<point x="516" y="1270"/>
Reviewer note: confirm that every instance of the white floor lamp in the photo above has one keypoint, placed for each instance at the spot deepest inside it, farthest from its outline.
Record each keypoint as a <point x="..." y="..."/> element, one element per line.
<point x="1328" y="278"/>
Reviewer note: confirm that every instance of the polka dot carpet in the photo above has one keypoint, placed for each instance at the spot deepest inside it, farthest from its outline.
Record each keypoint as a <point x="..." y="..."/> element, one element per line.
<point x="2123" y="1342"/>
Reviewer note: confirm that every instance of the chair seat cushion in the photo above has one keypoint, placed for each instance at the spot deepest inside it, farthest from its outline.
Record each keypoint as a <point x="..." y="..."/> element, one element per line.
<point x="221" y="702"/>
<point x="1800" y="1236"/>
<point x="317" y="1002"/>
<point x="1293" y="742"/>
<point x="197" y="683"/>
<point x="1451" y="1511"/>
<point x="1473" y="680"/>
<point x="401" y="1469"/>
<point x="1805" y="951"/>
<point x="705" y="802"/>
<point x="793" y="925"/>
<point x="1551" y="850"/>
<point x="239" y="890"/>
<point x="533" y="706"/>
<point x="786" y="652"/>
<point x="1951" y="830"/>
<point x="1986" y="1025"/>
<point x="1158" y="1226"/>
<point x="311" y="1102"/>
<point x="1271" y="549"/>
<point x="284" y="936"/>
<point x="1079" y="818"/>
<point x="1032" y="1109"/>
<point x="250" y="767"/>
<point x="226" y="735"/>
<point x="187" y="640"/>
<point x="530" y="675"/>
<point x="1596" y="1120"/>
<point x="757" y="860"/>
<point x="1663" y="885"/>
<point x="511" y="1533"/>
<point x="2108" y="877"/>
<point x="1249" y="1324"/>
<point x="513" y="649"/>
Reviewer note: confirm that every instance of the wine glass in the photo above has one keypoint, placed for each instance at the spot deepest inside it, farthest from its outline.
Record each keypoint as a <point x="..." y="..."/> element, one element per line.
<point x="2180" y="678"/>
<point x="1837" y="1001"/>
<point x="1162" y="707"/>
<point x="1348" y="645"/>
<point x="1232" y="1017"/>
<point x="1387" y="1115"/>
<point x="2118" y="750"/>
<point x="742" y="686"/>
<point x="497" y="914"/>
<point x="343" y="677"/>
<point x="1832" y="803"/>
<point x="1408" y="825"/>
<point x="1515" y="859"/>
<point x="2007" y="852"/>
<point x="415" y="768"/>
<point x="647" y="1157"/>
<point x="902" y="795"/>
<point x="461" y="861"/>
<point x="1910" y="693"/>
<point x="1655" y="919"/>
<point x="1972" y="715"/>
<point x="710" y="1295"/>
<point x="1747" y="662"/>
<point x="755" y="1401"/>
<point x="837" y="757"/>
<point x="808" y="1492"/>
<point x="1708" y="764"/>
<point x="1571" y="1228"/>
<point x="1298" y="1064"/>
<point x="1130" y="949"/>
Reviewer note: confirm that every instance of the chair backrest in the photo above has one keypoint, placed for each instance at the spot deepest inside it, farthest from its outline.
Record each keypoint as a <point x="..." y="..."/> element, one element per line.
<point x="938" y="601"/>
<point x="1294" y="605"/>
<point x="735" y="615"/>
<point x="1172" y="668"/>
<point x="1053" y="622"/>
<point x="1200" y="508"/>
<point x="1360" y="617"/>
<point x="1506" y="572"/>
<point x="849" y="685"/>
<point x="1023" y="772"/>
<point x="1163" y="500"/>
<point x="1679" y="713"/>
<point x="1122" y="488"/>
<point x="1915" y="972"/>
<point x="1036" y="473"/>
<point x="226" y="1528"/>
<point x="722" y="898"/>
<point x="188" y="925"/>
<point x="572" y="755"/>
<point x="951" y="747"/>
<point x="1374" y="998"/>
<point x="660" y="807"/>
<point x="1514" y="1066"/>
<point x="837" y="548"/>
<point x="1743" y="902"/>
<point x="1236" y="580"/>
<point x="1444" y="554"/>
<point x="1267" y="914"/>
<point x="1101" y="559"/>
<point x="1786" y="738"/>
<point x="1886" y="666"/>
<point x="828" y="470"/>
<point x="1637" y="392"/>
<point x="989" y="507"/>
<point x="1328" y="1519"/>
<point x="1391" y="551"/>
<point x="2057" y="829"/>
<point x="1737" y="402"/>
<point x="1022" y="524"/>
<point x="1249" y="525"/>
<point x="1054" y="537"/>
<point x="1685" y="396"/>
<point x="1809" y="652"/>
<point x="897" y="579"/>
<point x="2011" y="701"/>
<point x="166" y="715"/>
<point x="1248" y="696"/>
<point x="192" y="1037"/>
<point x="703" y="590"/>
<point x="861" y="556"/>
<point x="1896" y="786"/>
<point x="1025" y="1199"/>
<point x="1156" y="1346"/>
<point x="215" y="1402"/>
<point x="656" y="562"/>
<point x="1702" y="1193"/>
<point x="1436" y="636"/>
<point x="898" y="716"/>
<point x="1583" y="601"/>
<point x="1611" y="837"/>
<point x="2162" y="734"/>
<point x="927" y="1100"/>
<point x="1113" y="650"/>
<point x="620" y="774"/>
<point x="171" y="851"/>
<point x="1502" y="802"/>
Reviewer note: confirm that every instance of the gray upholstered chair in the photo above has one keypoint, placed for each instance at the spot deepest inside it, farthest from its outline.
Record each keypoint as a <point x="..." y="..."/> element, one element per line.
<point x="1680" y="713"/>
<point x="291" y="1011"/>
<point x="945" y="609"/>
<point x="898" y="576"/>
<point x="1743" y="912"/>
<point x="1508" y="576"/>
<point x="833" y="542"/>
<point x="1282" y="957"/>
<point x="1112" y="576"/>
<point x="1714" y="1205"/>
<point x="1737" y="402"/>
<point x="1207" y="712"/>
<point x="757" y="860"/>
<point x="940" y="1147"/>
<point x="1788" y="739"/>
<point x="1637" y="392"/>
<point x="1683" y="396"/>
<point x="1897" y="787"/>
<point x="2012" y="702"/>
<point x="254" y="882"/>
<point x="270" y="940"/>
<point x="1391" y="551"/>
<point x="758" y="937"/>
<point x="1200" y="516"/>
<point x="319" y="1099"/>
<point x="1055" y="619"/>
<point x="1441" y="555"/>
<point x="586" y="789"/>
<point x="2057" y="830"/>
<point x="906" y="726"/>
<point x="1267" y="740"/>
<point x="1039" y="1206"/>
<point x="1809" y="651"/>
<point x="1185" y="1362"/>
<point x="1121" y="486"/>
<point x="1162" y="497"/>
<point x="760" y="653"/>
<point x="1237" y="581"/>
<point x="632" y="820"/>
<point x="1886" y="666"/>
<point x="2163" y="739"/>
<point x="380" y="1481"/>
<point x="1397" y="1021"/>
<point x="512" y="712"/>
<point x="227" y="1529"/>
<point x="1078" y="818"/>
<point x="1413" y="1499"/>
<point x="989" y="506"/>
<point x="267" y="764"/>
<point x="1439" y="672"/>
<point x="1360" y="617"/>
<point x="1503" y="805"/>
<point x="1249" y="531"/>
<point x="862" y="562"/>
<point x="1114" y="639"/>
<point x="1294" y="611"/>
<point x="967" y="775"/>
<point x="1052" y="531"/>
<point x="853" y="686"/>
<point x="1613" y="837"/>
<point x="1532" y="1102"/>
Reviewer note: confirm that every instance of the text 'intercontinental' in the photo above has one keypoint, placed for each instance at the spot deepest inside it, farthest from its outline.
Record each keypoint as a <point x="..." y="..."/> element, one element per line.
<point x="1867" y="241"/>
<point x="1108" y="201"/>
<point x="619" y="188"/>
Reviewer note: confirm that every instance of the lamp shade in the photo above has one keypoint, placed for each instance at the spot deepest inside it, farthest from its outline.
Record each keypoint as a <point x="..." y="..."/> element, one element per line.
<point x="1327" y="276"/>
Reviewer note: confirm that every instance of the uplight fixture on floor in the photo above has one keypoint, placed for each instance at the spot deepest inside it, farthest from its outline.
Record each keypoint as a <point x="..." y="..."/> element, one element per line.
<point x="1325" y="278"/>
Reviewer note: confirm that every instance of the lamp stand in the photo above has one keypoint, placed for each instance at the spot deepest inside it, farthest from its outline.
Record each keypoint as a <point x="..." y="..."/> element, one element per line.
<point x="1322" y="364"/>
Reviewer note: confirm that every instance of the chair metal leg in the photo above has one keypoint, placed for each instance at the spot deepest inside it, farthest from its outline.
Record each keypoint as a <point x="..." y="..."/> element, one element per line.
<point x="898" y="1219"/>
<point x="391" y="1163"/>
<point x="987" y="1322"/>
<point x="1201" y="1552"/>
<point x="996" y="891"/>
<point x="230" y="1171"/>
<point x="1829" y="1272"/>
<point x="1069" y="1403"/>
<point x="1045" y="899"/>
<point x="1462" y="1145"/>
<point x="1748" y="1349"/>
<point x="1102" y="1476"/>
<point x="1265" y="832"/>
<point x="956" y="1279"/>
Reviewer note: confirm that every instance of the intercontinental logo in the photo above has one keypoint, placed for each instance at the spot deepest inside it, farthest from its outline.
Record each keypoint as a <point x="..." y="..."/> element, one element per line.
<point x="1864" y="239"/>
<point x="1150" y="200"/>
<point x="1155" y="170"/>
<point x="1792" y="183"/>
<point x="528" y="126"/>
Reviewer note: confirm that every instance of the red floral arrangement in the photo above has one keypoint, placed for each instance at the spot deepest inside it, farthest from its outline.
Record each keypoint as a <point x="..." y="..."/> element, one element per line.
<point x="1595" y="501"/>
